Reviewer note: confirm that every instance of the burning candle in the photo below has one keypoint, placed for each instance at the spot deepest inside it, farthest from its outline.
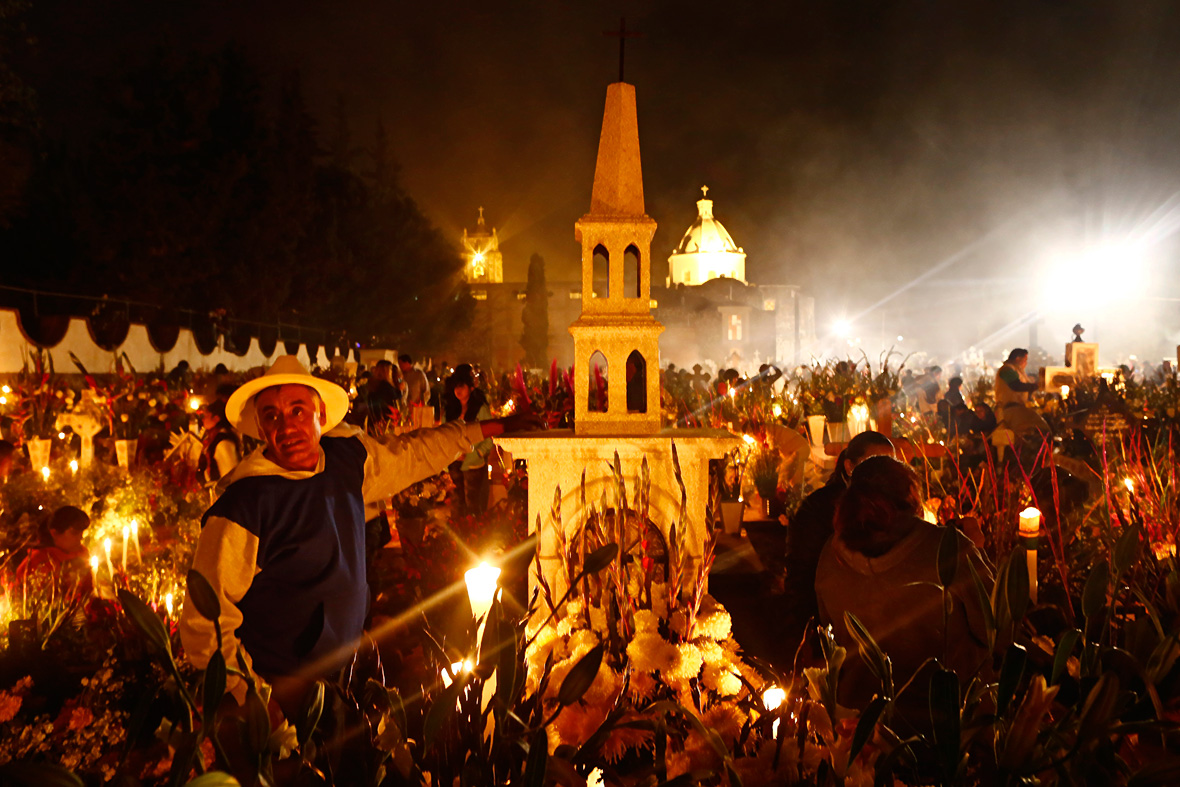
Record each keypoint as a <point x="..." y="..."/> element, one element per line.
<point x="194" y="404"/>
<point x="1130" y="484"/>
<point x="481" y="591"/>
<point x="135" y="539"/>
<point x="106" y="547"/>
<point x="1030" y="530"/>
<point x="458" y="668"/>
<point x="772" y="698"/>
<point x="126" y="536"/>
<point x="777" y="409"/>
<point x="45" y="473"/>
<point x="94" y="570"/>
<point x="1065" y="392"/>
<point x="74" y="466"/>
<point x="168" y="603"/>
<point x="594" y="778"/>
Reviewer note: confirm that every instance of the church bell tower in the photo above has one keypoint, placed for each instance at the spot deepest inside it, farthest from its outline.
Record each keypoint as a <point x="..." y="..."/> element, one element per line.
<point x="616" y="339"/>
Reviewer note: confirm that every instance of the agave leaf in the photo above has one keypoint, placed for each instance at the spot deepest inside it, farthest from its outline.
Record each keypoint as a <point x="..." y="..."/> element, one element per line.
<point x="1010" y="673"/>
<point x="1094" y="593"/>
<point x="214" y="690"/>
<point x="441" y="710"/>
<point x="214" y="779"/>
<point x="945" y="719"/>
<point x="1065" y="646"/>
<point x="309" y="714"/>
<point x="865" y="726"/>
<point x="1017" y="585"/>
<point x="537" y="762"/>
<point x="1126" y="550"/>
<point x="145" y="620"/>
<point x="579" y="679"/>
<point x="872" y="655"/>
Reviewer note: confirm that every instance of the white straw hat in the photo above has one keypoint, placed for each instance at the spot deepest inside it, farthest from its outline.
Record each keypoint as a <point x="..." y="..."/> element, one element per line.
<point x="287" y="370"/>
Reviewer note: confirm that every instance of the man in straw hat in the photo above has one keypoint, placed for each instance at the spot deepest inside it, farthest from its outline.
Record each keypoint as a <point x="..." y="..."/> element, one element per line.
<point x="284" y="545"/>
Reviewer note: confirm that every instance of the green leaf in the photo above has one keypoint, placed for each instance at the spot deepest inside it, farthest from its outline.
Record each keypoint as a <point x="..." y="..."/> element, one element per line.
<point x="257" y="730"/>
<point x="145" y="620"/>
<point x="1126" y="550"/>
<point x="506" y="660"/>
<point x="30" y="774"/>
<point x="1065" y="646"/>
<point x="1098" y="711"/>
<point x="1010" y="673"/>
<point x="945" y="720"/>
<point x="1162" y="659"/>
<point x="313" y="708"/>
<point x="214" y="779"/>
<point x="182" y="760"/>
<point x="579" y="679"/>
<point x="214" y="690"/>
<point x="1017" y="589"/>
<point x="442" y="709"/>
<point x="871" y="654"/>
<point x="948" y="556"/>
<point x="1094" y="593"/>
<point x="203" y="596"/>
<point x="865" y="726"/>
<point x="600" y="558"/>
<point x="985" y="604"/>
<point x="534" y="767"/>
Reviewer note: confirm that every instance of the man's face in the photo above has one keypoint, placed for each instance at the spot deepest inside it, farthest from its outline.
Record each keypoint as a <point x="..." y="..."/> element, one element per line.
<point x="405" y="367"/>
<point x="291" y="420"/>
<point x="1021" y="363"/>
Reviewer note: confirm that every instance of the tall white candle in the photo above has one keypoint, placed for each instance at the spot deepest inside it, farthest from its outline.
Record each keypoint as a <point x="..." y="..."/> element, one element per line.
<point x="1030" y="530"/>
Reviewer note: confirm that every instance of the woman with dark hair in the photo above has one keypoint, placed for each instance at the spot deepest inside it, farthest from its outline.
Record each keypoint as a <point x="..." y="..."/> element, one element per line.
<point x="882" y="566"/>
<point x="811" y="527"/>
<point x="463" y="399"/>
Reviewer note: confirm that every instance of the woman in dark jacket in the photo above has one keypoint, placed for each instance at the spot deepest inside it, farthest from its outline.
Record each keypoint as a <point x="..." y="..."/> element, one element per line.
<point x="882" y="566"/>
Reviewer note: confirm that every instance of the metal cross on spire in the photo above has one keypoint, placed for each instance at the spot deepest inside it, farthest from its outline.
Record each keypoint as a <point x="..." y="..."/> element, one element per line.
<point x="623" y="34"/>
<point x="705" y="191"/>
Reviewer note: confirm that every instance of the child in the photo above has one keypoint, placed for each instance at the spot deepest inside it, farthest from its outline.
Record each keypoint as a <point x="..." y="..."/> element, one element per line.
<point x="67" y="550"/>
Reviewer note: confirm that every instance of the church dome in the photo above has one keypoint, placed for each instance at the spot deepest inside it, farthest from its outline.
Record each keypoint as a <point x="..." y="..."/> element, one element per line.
<point x="706" y="251"/>
<point x="706" y="233"/>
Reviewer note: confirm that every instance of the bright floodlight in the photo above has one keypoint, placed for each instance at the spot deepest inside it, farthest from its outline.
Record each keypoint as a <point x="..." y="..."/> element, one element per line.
<point x="842" y="328"/>
<point x="1096" y="274"/>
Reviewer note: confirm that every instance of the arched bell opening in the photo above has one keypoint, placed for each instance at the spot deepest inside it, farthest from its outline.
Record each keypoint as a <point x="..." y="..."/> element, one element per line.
<point x="632" y="281"/>
<point x="601" y="272"/>
<point x="636" y="383"/>
<point x="597" y="392"/>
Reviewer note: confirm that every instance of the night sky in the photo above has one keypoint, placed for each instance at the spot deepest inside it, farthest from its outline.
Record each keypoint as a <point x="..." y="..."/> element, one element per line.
<point x="850" y="146"/>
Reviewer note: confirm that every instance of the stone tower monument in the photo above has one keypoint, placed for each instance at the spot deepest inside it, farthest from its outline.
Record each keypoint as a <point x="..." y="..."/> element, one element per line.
<point x="616" y="315"/>
<point x="616" y="321"/>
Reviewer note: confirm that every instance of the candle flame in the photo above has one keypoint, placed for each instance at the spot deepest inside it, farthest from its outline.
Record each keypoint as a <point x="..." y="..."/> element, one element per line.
<point x="73" y="465"/>
<point x="168" y="603"/>
<point x="773" y="697"/>
<point x="194" y="403"/>
<point x="106" y="545"/>
<point x="45" y="473"/>
<point x="1129" y="483"/>
<point x="94" y="562"/>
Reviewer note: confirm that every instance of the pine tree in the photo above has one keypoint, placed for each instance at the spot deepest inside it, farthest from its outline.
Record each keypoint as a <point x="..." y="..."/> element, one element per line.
<point x="535" y="337"/>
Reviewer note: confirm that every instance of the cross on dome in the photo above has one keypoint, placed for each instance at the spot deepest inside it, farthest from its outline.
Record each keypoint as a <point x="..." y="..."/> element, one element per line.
<point x="704" y="191"/>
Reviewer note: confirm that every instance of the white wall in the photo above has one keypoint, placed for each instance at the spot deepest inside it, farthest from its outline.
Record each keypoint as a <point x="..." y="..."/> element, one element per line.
<point x="15" y="348"/>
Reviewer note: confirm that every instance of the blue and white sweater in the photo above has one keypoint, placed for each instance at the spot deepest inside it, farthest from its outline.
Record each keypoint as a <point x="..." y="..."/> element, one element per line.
<point x="285" y="550"/>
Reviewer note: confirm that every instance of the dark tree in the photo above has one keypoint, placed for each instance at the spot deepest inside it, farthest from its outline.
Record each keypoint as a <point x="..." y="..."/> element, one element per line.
<point x="535" y="337"/>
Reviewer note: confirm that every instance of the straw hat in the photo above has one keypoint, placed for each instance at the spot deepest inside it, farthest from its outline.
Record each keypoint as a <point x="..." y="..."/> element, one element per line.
<point x="287" y="370"/>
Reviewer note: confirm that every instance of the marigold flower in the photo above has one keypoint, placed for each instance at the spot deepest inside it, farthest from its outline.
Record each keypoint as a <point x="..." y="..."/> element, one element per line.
<point x="650" y="652"/>
<point x="80" y="719"/>
<point x="646" y="620"/>
<point x="688" y="662"/>
<point x="9" y="706"/>
<point x="715" y="625"/>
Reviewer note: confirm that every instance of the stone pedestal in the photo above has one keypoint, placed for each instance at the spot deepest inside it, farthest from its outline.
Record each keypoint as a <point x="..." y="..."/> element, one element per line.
<point x="557" y="458"/>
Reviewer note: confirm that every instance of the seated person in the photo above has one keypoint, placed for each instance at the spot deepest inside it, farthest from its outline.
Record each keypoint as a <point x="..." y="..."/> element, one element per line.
<point x="882" y="566"/>
<point x="63" y="552"/>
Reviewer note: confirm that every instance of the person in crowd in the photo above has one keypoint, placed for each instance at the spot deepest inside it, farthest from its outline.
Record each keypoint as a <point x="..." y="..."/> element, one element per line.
<point x="811" y="526"/>
<point x="284" y="545"/>
<point x="417" y="386"/>
<point x="382" y="394"/>
<point x="952" y="409"/>
<point x="61" y="551"/>
<point x="882" y="566"/>
<point x="929" y="387"/>
<point x="221" y="448"/>
<point x="1012" y="388"/>
<point x="7" y="460"/>
<point x="465" y="401"/>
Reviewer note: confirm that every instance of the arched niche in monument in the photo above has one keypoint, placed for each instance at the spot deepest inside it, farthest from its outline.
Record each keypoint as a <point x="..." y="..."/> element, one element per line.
<point x="632" y="284"/>
<point x="599" y="375"/>
<point x="636" y="383"/>
<point x="601" y="272"/>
